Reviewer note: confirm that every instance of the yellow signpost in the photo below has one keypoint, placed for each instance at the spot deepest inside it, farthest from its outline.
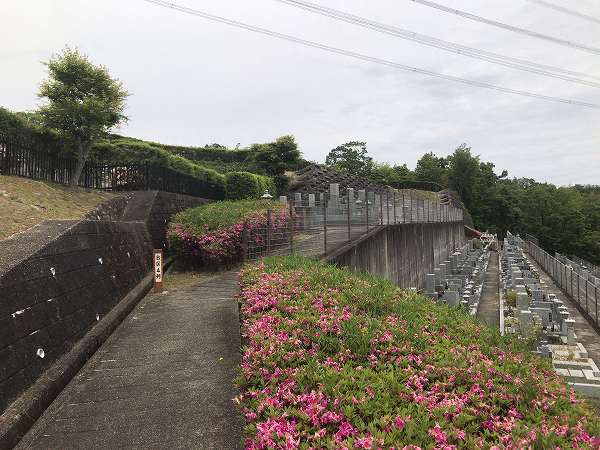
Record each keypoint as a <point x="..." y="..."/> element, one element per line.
<point x="158" y="270"/>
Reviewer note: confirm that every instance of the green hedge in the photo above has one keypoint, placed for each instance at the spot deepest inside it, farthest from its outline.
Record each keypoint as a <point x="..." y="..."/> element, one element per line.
<point x="242" y="185"/>
<point x="212" y="234"/>
<point x="335" y="359"/>
<point x="137" y="152"/>
<point x="221" y="215"/>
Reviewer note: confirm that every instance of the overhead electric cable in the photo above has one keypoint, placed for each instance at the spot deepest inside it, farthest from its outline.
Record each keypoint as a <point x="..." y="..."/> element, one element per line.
<point x="498" y="24"/>
<point x="494" y="58"/>
<point x="566" y="10"/>
<point x="363" y="57"/>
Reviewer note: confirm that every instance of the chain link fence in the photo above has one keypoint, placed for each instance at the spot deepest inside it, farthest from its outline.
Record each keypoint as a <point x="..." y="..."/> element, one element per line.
<point x="579" y="288"/>
<point x="315" y="224"/>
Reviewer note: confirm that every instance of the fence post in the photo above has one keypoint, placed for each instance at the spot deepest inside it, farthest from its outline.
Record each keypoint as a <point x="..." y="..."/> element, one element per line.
<point x="291" y="228"/>
<point x="349" y="211"/>
<point x="245" y="241"/>
<point x="394" y="200"/>
<point x="586" y="300"/>
<point x="367" y="208"/>
<point x="325" y="226"/>
<point x="403" y="208"/>
<point x="269" y="212"/>
<point x="387" y="205"/>
<point x="381" y="209"/>
<point x="571" y="282"/>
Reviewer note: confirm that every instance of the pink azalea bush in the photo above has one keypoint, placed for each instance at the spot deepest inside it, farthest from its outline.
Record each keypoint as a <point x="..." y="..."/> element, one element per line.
<point x="332" y="359"/>
<point x="211" y="234"/>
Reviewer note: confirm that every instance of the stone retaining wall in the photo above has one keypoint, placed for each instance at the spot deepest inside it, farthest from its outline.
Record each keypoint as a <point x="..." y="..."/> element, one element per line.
<point x="62" y="276"/>
<point x="402" y="253"/>
<point x="52" y="298"/>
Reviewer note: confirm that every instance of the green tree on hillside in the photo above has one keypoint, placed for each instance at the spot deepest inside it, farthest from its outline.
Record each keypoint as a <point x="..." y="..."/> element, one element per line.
<point x="432" y="168"/>
<point x="276" y="157"/>
<point x="83" y="103"/>
<point x="351" y="157"/>
<point x="462" y="173"/>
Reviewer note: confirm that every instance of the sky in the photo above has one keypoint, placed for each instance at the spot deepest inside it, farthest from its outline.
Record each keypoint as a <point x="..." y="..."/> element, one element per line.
<point x="195" y="82"/>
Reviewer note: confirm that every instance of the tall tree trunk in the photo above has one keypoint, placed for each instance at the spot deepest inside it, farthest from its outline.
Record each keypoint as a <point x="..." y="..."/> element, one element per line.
<point x="83" y="149"/>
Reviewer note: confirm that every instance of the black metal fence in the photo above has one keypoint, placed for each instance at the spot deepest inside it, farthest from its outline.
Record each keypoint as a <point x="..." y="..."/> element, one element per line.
<point x="316" y="224"/>
<point x="30" y="160"/>
<point x="584" y="293"/>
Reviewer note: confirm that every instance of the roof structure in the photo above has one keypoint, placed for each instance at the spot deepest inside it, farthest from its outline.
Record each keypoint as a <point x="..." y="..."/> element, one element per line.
<point x="316" y="178"/>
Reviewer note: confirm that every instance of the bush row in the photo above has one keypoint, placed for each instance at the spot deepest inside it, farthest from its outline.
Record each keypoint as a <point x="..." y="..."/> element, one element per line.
<point x="212" y="234"/>
<point x="126" y="150"/>
<point x="332" y="359"/>
<point x="241" y="185"/>
<point x="117" y="149"/>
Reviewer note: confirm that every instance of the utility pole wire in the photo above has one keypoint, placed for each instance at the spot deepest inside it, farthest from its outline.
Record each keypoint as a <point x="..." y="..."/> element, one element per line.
<point x="566" y="10"/>
<point x="495" y="23"/>
<point x="470" y="52"/>
<point x="367" y="58"/>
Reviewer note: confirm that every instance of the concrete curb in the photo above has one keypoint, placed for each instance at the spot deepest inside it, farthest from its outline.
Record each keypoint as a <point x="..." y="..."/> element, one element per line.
<point x="23" y="412"/>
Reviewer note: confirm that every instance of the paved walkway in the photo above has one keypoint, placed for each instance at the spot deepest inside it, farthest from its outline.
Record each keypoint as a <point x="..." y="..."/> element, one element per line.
<point x="489" y="303"/>
<point x="583" y="330"/>
<point x="163" y="379"/>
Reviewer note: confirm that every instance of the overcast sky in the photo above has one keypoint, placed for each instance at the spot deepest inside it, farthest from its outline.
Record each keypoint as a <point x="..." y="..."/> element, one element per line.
<point x="195" y="82"/>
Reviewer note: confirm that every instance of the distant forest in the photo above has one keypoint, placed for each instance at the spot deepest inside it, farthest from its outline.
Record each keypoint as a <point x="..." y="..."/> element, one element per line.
<point x="564" y="219"/>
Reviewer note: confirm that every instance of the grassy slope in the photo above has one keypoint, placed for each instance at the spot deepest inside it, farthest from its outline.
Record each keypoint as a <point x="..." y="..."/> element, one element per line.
<point x="25" y="203"/>
<point x="221" y="215"/>
<point x="333" y="359"/>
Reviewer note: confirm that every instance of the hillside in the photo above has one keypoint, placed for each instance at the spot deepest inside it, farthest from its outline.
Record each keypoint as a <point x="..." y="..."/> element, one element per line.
<point x="334" y="359"/>
<point x="25" y="203"/>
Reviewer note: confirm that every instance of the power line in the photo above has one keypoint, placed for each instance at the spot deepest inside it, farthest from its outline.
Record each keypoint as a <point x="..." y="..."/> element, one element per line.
<point x="494" y="58"/>
<point x="367" y="58"/>
<point x="566" y="10"/>
<point x="504" y="26"/>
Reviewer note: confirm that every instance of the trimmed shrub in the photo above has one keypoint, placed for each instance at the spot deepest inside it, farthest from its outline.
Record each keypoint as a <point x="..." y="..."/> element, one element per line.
<point x="211" y="234"/>
<point x="133" y="151"/>
<point x="332" y="359"/>
<point x="243" y="185"/>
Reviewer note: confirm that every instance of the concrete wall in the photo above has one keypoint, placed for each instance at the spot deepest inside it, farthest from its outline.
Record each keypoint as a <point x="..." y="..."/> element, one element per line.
<point x="52" y="298"/>
<point x="402" y="253"/>
<point x="155" y="208"/>
<point x="60" y="277"/>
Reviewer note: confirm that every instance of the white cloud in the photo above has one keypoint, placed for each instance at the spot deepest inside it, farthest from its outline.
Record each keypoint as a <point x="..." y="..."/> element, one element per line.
<point x="196" y="82"/>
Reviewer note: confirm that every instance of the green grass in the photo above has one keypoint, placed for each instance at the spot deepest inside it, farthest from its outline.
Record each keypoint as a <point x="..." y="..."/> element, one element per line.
<point x="336" y="359"/>
<point x="25" y="203"/>
<point x="221" y="215"/>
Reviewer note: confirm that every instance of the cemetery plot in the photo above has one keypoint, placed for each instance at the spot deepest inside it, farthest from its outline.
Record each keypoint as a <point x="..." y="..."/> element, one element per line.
<point x="533" y="313"/>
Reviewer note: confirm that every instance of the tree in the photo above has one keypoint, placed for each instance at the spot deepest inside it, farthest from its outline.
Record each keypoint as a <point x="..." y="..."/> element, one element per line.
<point x="462" y="173"/>
<point x="432" y="168"/>
<point x="276" y="157"/>
<point x="403" y="172"/>
<point x="351" y="157"/>
<point x="83" y="103"/>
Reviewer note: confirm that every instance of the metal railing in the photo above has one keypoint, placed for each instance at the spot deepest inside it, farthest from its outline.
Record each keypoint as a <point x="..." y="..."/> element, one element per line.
<point x="29" y="159"/>
<point x="594" y="270"/>
<point x="315" y="224"/>
<point x="583" y="292"/>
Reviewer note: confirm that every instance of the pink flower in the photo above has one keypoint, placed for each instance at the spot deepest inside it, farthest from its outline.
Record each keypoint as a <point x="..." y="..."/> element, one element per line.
<point x="366" y="442"/>
<point x="438" y="434"/>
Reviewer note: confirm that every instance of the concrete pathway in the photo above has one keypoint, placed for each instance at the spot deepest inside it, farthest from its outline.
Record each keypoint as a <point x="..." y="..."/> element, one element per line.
<point x="163" y="379"/>
<point x="583" y="330"/>
<point x="489" y="303"/>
